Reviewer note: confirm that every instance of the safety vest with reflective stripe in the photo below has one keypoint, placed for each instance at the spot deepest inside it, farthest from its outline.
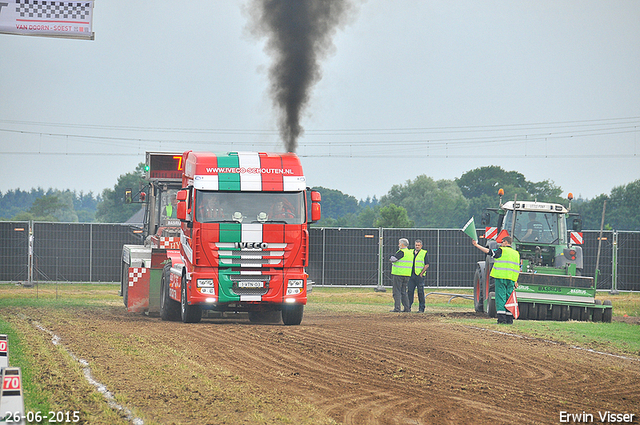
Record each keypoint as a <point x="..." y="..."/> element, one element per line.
<point x="507" y="266"/>
<point x="419" y="260"/>
<point x="403" y="266"/>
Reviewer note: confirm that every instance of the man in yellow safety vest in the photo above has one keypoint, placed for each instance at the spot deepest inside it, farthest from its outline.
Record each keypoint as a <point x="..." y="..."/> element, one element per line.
<point x="402" y="264"/>
<point x="505" y="271"/>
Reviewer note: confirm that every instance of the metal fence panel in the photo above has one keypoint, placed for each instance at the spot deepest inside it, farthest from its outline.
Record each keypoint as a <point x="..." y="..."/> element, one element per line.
<point x="628" y="272"/>
<point x="62" y="252"/>
<point x="106" y="257"/>
<point x="14" y="251"/>
<point x="88" y="252"/>
<point x="590" y="253"/>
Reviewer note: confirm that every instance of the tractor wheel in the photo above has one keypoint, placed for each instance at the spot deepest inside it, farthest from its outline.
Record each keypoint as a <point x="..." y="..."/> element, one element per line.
<point x="597" y="312"/>
<point x="292" y="314"/>
<point x="542" y="311"/>
<point x="169" y="309"/>
<point x="188" y="313"/>
<point x="478" y="301"/>
<point x="576" y="314"/>
<point x="607" y="314"/>
<point x="491" y="311"/>
<point x="564" y="313"/>
<point x="524" y="310"/>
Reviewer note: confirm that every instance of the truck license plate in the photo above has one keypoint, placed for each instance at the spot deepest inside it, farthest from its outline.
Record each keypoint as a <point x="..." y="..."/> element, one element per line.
<point x="250" y="284"/>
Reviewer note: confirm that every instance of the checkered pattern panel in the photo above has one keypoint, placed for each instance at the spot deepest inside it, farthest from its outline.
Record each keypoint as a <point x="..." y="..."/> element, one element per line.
<point x="169" y="242"/>
<point x="53" y="9"/>
<point x="136" y="274"/>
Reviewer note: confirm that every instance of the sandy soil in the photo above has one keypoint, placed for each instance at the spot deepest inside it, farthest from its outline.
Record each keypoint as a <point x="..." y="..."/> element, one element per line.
<point x="356" y="369"/>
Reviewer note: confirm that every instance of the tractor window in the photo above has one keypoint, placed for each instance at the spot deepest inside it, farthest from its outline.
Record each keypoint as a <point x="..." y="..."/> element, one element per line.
<point x="168" y="208"/>
<point x="536" y="227"/>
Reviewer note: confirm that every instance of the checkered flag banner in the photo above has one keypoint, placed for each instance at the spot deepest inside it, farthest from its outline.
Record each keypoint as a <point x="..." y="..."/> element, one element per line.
<point x="65" y="19"/>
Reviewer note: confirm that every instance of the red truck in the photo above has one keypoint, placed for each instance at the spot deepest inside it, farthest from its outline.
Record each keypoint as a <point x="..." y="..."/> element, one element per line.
<point x="244" y="240"/>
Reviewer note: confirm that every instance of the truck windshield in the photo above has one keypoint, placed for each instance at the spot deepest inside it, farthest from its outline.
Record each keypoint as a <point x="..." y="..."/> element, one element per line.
<point x="250" y="207"/>
<point x="535" y="227"/>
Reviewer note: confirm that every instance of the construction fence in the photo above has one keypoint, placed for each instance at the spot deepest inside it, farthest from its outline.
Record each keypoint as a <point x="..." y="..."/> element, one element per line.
<point x="89" y="252"/>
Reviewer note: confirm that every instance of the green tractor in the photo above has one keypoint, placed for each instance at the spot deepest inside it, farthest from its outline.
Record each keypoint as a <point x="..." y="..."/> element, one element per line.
<point x="551" y="285"/>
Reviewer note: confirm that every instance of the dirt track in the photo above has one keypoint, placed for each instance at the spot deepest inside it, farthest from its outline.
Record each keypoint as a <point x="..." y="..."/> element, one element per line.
<point x="356" y="368"/>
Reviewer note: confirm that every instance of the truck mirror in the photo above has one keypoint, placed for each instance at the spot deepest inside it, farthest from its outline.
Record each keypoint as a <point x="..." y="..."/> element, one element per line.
<point x="182" y="210"/>
<point x="315" y="206"/>
<point x="486" y="218"/>
<point x="577" y="225"/>
<point x="181" y="197"/>
<point x="315" y="212"/>
<point x="127" y="196"/>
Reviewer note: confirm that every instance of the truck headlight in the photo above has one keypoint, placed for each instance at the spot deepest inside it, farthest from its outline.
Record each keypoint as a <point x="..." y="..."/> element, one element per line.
<point x="204" y="283"/>
<point x="295" y="283"/>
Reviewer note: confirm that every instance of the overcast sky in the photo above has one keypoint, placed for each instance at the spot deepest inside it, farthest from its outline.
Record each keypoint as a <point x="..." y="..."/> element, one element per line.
<point x="550" y="89"/>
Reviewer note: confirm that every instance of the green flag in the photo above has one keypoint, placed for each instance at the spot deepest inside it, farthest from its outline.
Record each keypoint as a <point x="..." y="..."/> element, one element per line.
<point x="470" y="229"/>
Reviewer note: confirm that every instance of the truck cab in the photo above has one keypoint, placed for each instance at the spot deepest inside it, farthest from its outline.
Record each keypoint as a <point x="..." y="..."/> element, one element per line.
<point x="244" y="240"/>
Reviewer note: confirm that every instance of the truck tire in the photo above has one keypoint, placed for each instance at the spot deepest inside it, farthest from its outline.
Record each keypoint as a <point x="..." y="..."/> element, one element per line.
<point x="607" y="314"/>
<point x="169" y="309"/>
<point x="292" y="314"/>
<point x="556" y="312"/>
<point x="189" y="313"/>
<point x="478" y="299"/>
<point x="524" y="310"/>
<point x="491" y="310"/>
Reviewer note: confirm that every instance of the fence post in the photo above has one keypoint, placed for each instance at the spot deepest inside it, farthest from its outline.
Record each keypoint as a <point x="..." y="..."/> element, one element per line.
<point x="614" y="265"/>
<point x="438" y="258"/>
<point x="380" y="287"/>
<point x="91" y="252"/>
<point x="324" y="245"/>
<point x="30" y="259"/>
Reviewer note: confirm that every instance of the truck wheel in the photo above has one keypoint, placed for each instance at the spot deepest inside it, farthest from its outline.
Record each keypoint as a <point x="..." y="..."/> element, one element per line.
<point x="292" y="314"/>
<point x="491" y="311"/>
<point x="524" y="310"/>
<point x="597" y="312"/>
<point x="585" y="314"/>
<point x="533" y="312"/>
<point x="556" y="312"/>
<point x="478" y="301"/>
<point x="169" y="309"/>
<point x="607" y="314"/>
<point x="189" y="313"/>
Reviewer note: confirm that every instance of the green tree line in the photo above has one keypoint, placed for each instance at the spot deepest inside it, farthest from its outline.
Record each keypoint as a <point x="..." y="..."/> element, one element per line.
<point x="421" y="202"/>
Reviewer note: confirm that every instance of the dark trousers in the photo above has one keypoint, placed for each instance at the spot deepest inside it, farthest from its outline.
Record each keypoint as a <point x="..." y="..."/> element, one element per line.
<point x="416" y="282"/>
<point x="400" y="298"/>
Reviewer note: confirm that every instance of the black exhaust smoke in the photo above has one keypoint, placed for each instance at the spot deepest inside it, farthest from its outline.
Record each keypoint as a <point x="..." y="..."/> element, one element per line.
<point x="299" y="35"/>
